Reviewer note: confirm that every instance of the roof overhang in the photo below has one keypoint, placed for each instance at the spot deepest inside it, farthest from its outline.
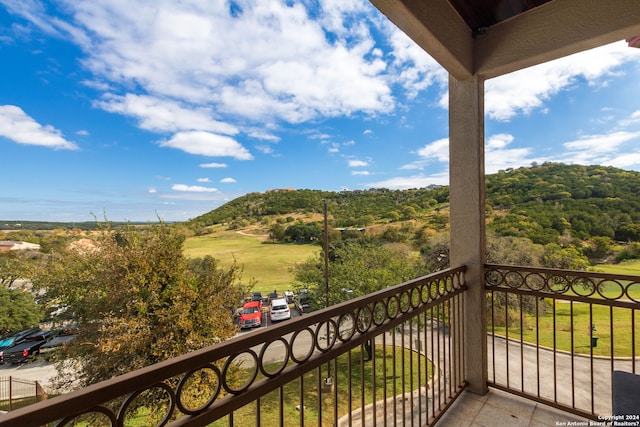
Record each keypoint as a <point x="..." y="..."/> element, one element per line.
<point x="552" y="30"/>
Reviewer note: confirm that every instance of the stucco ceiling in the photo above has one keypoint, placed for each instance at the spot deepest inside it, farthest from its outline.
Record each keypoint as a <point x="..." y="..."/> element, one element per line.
<point x="485" y="13"/>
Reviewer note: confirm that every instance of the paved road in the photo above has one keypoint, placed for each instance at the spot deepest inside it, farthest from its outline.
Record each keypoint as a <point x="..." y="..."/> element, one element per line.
<point x="570" y="374"/>
<point x="41" y="371"/>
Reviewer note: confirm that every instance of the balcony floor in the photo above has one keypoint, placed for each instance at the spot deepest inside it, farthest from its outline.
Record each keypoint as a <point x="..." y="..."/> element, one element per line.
<point x="501" y="409"/>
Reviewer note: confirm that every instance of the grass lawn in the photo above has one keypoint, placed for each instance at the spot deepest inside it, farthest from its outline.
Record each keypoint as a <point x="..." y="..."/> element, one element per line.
<point x="268" y="263"/>
<point x="631" y="267"/>
<point x="602" y="317"/>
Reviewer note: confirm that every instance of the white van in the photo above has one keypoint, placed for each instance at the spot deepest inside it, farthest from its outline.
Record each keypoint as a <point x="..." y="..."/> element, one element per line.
<point x="279" y="310"/>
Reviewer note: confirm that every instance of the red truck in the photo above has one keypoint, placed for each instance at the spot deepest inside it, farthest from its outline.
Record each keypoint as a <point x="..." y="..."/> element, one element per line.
<point x="251" y="315"/>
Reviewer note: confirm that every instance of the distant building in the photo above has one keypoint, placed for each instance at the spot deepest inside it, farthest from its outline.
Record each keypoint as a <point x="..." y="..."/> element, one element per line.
<point x="12" y="245"/>
<point x="275" y="190"/>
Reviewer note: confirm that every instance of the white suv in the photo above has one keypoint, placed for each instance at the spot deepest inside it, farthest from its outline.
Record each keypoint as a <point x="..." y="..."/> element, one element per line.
<point x="279" y="310"/>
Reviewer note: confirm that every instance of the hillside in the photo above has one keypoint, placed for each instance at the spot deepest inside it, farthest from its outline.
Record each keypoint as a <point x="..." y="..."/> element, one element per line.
<point x="542" y="202"/>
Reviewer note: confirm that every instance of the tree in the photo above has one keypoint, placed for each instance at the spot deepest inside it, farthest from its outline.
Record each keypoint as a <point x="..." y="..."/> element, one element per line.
<point x="304" y="232"/>
<point x="276" y="232"/>
<point x="358" y="267"/>
<point x="136" y="302"/>
<point x="15" y="265"/>
<point x="18" y="310"/>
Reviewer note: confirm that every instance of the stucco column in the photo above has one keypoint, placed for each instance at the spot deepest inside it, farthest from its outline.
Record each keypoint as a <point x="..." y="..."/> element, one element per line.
<point x="467" y="217"/>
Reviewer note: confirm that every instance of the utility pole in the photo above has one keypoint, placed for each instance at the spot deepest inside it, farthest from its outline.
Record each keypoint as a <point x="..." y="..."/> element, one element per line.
<point x="326" y="257"/>
<point x="329" y="380"/>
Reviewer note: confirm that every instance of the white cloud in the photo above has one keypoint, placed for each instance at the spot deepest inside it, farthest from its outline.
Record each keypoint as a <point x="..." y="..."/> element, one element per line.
<point x="265" y="136"/>
<point x="153" y="190"/>
<point x="625" y="161"/>
<point x="604" y="149"/>
<point x="358" y="163"/>
<point x="601" y="143"/>
<point x="413" y="68"/>
<point x="17" y="126"/>
<point x="360" y="173"/>
<point x="334" y="148"/>
<point x="268" y="61"/>
<point x="414" y="181"/>
<point x="266" y="149"/>
<point x="203" y="180"/>
<point x="163" y="115"/>
<point x="526" y="90"/>
<point x="193" y="188"/>
<point x="207" y="144"/>
<point x="213" y="165"/>
<point x="228" y="180"/>
<point x="437" y="150"/>
<point x="82" y="132"/>
<point x="367" y="132"/>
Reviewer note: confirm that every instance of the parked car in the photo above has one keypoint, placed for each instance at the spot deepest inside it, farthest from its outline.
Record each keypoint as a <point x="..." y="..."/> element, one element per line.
<point x="288" y="295"/>
<point x="15" y="339"/>
<point x="251" y="315"/>
<point x="256" y="296"/>
<point x="272" y="295"/>
<point x="59" y="342"/>
<point x="305" y="303"/>
<point x="20" y="353"/>
<point x="279" y="310"/>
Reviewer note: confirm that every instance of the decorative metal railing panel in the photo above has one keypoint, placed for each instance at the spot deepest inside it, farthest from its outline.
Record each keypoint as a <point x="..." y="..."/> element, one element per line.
<point x="555" y="336"/>
<point x="390" y="355"/>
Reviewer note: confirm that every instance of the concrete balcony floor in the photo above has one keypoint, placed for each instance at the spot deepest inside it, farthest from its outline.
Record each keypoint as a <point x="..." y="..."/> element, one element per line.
<point x="501" y="409"/>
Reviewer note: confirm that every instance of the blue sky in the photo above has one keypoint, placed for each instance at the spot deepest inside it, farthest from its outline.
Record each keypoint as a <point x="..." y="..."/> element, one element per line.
<point x="139" y="109"/>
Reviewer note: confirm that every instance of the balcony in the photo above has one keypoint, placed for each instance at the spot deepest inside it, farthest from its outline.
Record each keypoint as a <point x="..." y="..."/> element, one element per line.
<point x="394" y="357"/>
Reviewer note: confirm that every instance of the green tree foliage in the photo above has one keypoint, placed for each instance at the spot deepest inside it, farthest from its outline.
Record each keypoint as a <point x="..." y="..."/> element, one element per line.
<point x="304" y="232"/>
<point x="18" y="310"/>
<point x="358" y="267"/>
<point x="15" y="265"/>
<point x="137" y="302"/>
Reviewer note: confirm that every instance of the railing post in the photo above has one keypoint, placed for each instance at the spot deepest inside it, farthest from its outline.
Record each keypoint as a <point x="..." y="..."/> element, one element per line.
<point x="467" y="218"/>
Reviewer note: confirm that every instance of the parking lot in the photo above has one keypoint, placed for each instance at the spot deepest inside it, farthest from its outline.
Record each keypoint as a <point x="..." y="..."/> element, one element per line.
<point x="266" y="321"/>
<point x="37" y="370"/>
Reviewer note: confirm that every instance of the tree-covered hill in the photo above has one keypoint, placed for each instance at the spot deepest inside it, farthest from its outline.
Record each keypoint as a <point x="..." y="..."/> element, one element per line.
<point x="346" y="208"/>
<point x="542" y="202"/>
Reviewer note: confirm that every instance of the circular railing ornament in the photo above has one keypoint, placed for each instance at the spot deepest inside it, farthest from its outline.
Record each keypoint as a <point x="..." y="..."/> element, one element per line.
<point x="252" y="377"/>
<point x="158" y="388"/>
<point x="200" y="379"/>
<point x="283" y="362"/>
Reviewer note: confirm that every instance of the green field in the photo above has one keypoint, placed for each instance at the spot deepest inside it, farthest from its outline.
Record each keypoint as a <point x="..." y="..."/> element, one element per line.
<point x="628" y="267"/>
<point x="269" y="264"/>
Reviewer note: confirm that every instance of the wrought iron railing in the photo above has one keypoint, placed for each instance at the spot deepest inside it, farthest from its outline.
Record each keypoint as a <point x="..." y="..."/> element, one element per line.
<point x="381" y="359"/>
<point x="556" y="336"/>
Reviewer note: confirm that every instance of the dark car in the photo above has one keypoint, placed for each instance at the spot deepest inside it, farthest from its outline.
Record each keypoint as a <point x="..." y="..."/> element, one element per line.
<point x="59" y="342"/>
<point x="20" y="353"/>
<point x="15" y="339"/>
<point x="305" y="303"/>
